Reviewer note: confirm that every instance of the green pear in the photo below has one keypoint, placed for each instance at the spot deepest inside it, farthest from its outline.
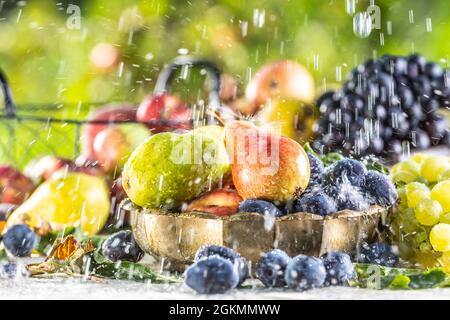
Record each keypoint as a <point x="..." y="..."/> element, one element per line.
<point x="170" y="168"/>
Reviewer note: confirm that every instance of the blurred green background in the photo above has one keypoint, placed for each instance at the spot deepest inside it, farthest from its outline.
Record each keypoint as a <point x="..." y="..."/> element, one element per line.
<point x="121" y="45"/>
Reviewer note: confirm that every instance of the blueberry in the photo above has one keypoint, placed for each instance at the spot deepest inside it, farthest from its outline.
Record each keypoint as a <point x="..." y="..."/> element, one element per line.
<point x="19" y="240"/>
<point x="378" y="253"/>
<point x="12" y="270"/>
<point x="317" y="202"/>
<point x="339" y="268"/>
<point x="351" y="199"/>
<point x="226" y="253"/>
<point x="212" y="275"/>
<point x="346" y="170"/>
<point x="379" y="189"/>
<point x="270" y="268"/>
<point x="304" y="273"/>
<point x="317" y="169"/>
<point x="260" y="206"/>
<point x="122" y="246"/>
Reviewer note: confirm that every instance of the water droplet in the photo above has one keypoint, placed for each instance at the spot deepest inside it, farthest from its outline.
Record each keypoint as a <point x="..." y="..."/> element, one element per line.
<point x="350" y="7"/>
<point x="362" y="24"/>
<point x="429" y="25"/>
<point x="389" y="27"/>
<point x="338" y="73"/>
<point x="259" y="18"/>
<point x="411" y="16"/>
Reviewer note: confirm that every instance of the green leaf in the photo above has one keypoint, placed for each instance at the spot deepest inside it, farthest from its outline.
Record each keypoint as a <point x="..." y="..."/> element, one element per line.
<point x="331" y="158"/>
<point x="400" y="281"/>
<point x="309" y="149"/>
<point x="3" y="255"/>
<point x="376" y="165"/>
<point x="379" y="277"/>
<point x="125" y="270"/>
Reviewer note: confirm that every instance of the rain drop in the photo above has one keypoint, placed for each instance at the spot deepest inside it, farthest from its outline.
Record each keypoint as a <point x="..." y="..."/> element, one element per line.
<point x="362" y="24"/>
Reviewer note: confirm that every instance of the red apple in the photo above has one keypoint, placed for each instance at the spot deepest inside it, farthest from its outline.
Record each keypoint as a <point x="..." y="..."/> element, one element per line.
<point x="283" y="79"/>
<point x="14" y="186"/>
<point x="220" y="202"/>
<point x="164" y="107"/>
<point x="111" y="148"/>
<point x="109" y="114"/>
<point x="46" y="166"/>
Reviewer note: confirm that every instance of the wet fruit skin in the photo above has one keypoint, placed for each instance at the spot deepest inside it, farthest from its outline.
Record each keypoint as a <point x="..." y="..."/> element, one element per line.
<point x="212" y="275"/>
<point x="315" y="202"/>
<point x="270" y="268"/>
<point x="219" y="202"/>
<point x="304" y="272"/>
<point x="317" y="169"/>
<point x="109" y="114"/>
<point x="260" y="206"/>
<point x="77" y="199"/>
<point x="378" y="253"/>
<point x="164" y="107"/>
<point x="281" y="79"/>
<point x="169" y="169"/>
<point x="339" y="268"/>
<point x="346" y="169"/>
<point x="228" y="254"/>
<point x="264" y="165"/>
<point x="19" y="240"/>
<point x="122" y="246"/>
<point x="379" y="189"/>
<point x="14" y="186"/>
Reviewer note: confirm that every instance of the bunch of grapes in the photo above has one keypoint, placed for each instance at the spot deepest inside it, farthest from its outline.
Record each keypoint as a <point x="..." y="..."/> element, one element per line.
<point x="421" y="224"/>
<point x="386" y="107"/>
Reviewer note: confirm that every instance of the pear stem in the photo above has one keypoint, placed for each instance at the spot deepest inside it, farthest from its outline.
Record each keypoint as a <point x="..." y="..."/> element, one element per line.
<point x="217" y="116"/>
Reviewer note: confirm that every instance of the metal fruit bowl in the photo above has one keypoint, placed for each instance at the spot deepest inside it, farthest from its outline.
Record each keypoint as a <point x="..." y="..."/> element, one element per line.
<point x="177" y="236"/>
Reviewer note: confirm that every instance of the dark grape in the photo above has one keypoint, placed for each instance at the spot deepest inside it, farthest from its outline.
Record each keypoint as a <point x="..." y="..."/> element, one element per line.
<point x="386" y="102"/>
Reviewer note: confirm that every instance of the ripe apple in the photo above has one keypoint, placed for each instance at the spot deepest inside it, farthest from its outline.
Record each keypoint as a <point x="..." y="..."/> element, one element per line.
<point x="14" y="186"/>
<point x="114" y="144"/>
<point x="45" y="167"/>
<point x="108" y="114"/>
<point x="278" y="80"/>
<point x="221" y="202"/>
<point x="164" y="107"/>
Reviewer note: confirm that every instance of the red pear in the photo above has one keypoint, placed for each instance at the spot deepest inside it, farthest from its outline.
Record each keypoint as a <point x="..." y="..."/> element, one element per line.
<point x="265" y="165"/>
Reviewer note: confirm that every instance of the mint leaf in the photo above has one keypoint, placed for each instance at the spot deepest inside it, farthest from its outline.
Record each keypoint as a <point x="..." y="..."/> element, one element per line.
<point x="125" y="270"/>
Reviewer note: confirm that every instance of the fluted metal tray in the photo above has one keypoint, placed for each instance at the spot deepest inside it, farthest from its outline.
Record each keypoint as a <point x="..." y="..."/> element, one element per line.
<point x="177" y="236"/>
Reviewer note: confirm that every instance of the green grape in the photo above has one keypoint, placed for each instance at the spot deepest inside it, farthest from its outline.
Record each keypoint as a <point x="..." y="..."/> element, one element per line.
<point x="425" y="247"/>
<point x="444" y="260"/>
<point x="402" y="200"/>
<point x="419" y="158"/>
<point x="405" y="171"/>
<point x="434" y="167"/>
<point x="445" y="218"/>
<point x="445" y="176"/>
<point x="428" y="212"/>
<point x="440" y="237"/>
<point x="416" y="191"/>
<point x="441" y="193"/>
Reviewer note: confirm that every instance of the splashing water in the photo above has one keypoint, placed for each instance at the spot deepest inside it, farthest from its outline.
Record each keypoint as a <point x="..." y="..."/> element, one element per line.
<point x="350" y="7"/>
<point x="362" y="24"/>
